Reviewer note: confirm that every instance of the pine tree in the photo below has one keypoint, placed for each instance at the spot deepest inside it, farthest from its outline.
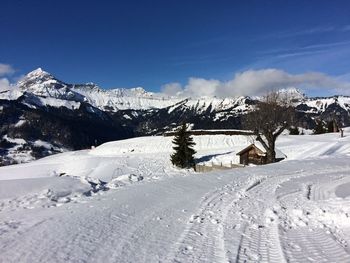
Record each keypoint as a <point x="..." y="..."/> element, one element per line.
<point x="183" y="155"/>
<point x="319" y="129"/>
<point x="330" y="126"/>
<point x="293" y="130"/>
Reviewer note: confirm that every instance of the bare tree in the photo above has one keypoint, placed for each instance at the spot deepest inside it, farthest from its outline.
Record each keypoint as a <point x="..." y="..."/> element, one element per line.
<point x="272" y="115"/>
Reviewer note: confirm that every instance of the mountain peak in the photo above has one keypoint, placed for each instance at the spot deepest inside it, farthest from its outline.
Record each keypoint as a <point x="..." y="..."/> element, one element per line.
<point x="138" y="90"/>
<point x="36" y="76"/>
<point x="38" y="80"/>
<point x="38" y="72"/>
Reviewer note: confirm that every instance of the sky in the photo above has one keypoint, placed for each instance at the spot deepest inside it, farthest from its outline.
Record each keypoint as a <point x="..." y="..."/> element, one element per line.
<point x="199" y="47"/>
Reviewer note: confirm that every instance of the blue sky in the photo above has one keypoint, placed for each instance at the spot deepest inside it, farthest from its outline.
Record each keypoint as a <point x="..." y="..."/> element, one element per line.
<point x="152" y="43"/>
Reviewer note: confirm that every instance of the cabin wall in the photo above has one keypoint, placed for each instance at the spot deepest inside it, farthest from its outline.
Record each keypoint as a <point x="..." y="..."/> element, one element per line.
<point x="251" y="156"/>
<point x="243" y="159"/>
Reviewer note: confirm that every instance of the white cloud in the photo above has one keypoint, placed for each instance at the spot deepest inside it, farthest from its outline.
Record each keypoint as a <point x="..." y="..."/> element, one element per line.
<point x="202" y="87"/>
<point x="257" y="82"/>
<point x="6" y="69"/>
<point x="171" y="89"/>
<point x="4" y="84"/>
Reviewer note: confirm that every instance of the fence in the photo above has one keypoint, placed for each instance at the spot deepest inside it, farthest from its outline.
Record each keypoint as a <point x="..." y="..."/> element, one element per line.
<point x="204" y="168"/>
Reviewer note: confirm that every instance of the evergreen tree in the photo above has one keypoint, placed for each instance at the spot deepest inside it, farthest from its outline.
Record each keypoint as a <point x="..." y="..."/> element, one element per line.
<point x="330" y="126"/>
<point x="183" y="155"/>
<point x="319" y="129"/>
<point x="293" y="130"/>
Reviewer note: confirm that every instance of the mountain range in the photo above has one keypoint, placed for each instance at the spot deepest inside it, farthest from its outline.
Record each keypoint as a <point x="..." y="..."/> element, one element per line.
<point x="42" y="115"/>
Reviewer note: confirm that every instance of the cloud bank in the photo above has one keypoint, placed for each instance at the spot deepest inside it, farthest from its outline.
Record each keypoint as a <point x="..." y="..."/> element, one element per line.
<point x="4" y="84"/>
<point x="255" y="83"/>
<point x="5" y="70"/>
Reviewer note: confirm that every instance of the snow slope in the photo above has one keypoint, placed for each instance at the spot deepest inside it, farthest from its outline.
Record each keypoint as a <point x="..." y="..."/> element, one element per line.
<point x="124" y="202"/>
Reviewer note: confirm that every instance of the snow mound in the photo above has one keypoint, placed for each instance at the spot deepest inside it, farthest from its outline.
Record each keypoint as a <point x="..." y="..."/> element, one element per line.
<point x="124" y="180"/>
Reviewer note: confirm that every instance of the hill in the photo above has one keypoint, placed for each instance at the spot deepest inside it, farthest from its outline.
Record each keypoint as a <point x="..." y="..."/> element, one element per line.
<point x="123" y="201"/>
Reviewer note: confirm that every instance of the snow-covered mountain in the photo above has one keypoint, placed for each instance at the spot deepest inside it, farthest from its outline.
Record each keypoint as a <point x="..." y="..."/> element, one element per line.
<point x="122" y="99"/>
<point x="75" y="116"/>
<point x="322" y="104"/>
<point x="52" y="92"/>
<point x="44" y="85"/>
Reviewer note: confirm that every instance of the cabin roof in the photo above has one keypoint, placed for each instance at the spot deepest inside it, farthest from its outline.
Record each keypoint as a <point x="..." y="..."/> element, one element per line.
<point x="261" y="150"/>
<point x="251" y="146"/>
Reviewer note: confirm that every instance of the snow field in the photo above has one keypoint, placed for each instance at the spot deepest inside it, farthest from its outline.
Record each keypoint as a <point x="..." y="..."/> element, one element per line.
<point x="124" y="202"/>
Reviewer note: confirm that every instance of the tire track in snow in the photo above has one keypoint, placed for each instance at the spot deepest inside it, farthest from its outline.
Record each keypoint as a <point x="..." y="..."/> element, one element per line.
<point x="261" y="245"/>
<point x="311" y="227"/>
<point x="250" y="218"/>
<point x="260" y="241"/>
<point x="316" y="244"/>
<point x="204" y="238"/>
<point x="263" y="212"/>
<point x="211" y="234"/>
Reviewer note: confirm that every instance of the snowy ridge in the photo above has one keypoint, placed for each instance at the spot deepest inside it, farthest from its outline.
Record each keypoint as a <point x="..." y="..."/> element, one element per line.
<point x="319" y="105"/>
<point x="43" y="84"/>
<point x="121" y="99"/>
<point x="292" y="93"/>
<point x="202" y="105"/>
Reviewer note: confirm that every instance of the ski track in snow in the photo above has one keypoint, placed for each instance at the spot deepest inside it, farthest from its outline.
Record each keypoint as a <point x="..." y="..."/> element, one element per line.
<point x="266" y="235"/>
<point x="293" y="211"/>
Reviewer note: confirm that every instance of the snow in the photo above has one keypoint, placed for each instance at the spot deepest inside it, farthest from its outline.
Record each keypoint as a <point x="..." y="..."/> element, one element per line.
<point x="20" y="123"/>
<point x="343" y="190"/>
<point x="50" y="91"/>
<point x="14" y="140"/>
<point x="12" y="94"/>
<point x="124" y="202"/>
<point x="37" y="72"/>
<point x="21" y="151"/>
<point x="40" y="143"/>
<point x="60" y="103"/>
<point x="121" y="99"/>
<point x="125" y="116"/>
<point x="320" y="104"/>
<point x="53" y="102"/>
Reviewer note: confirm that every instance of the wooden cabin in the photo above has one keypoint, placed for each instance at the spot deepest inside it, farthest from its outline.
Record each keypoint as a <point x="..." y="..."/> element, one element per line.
<point x="256" y="154"/>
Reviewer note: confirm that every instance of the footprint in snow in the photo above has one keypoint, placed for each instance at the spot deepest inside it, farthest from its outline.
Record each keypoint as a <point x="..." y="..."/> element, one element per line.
<point x="215" y="221"/>
<point x="187" y="250"/>
<point x="196" y="218"/>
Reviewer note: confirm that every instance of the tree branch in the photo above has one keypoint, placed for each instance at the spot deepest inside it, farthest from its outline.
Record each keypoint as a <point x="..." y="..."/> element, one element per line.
<point x="280" y="130"/>
<point x="259" y="139"/>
